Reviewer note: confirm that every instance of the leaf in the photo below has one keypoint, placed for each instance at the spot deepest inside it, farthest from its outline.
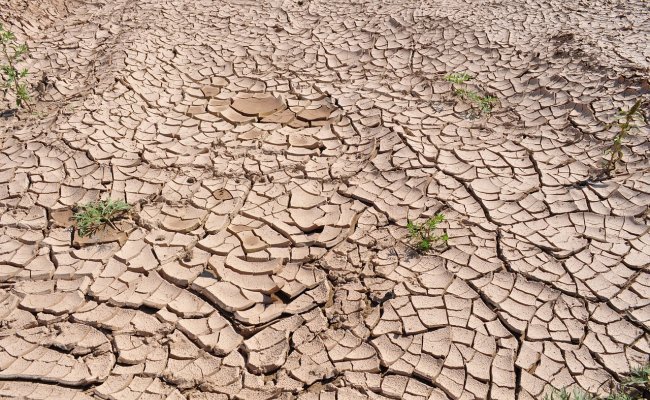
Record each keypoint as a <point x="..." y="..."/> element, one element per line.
<point x="425" y="244"/>
<point x="412" y="228"/>
<point x="20" y="50"/>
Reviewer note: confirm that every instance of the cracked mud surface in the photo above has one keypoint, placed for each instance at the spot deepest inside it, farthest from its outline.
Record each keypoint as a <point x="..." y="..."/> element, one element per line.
<point x="274" y="152"/>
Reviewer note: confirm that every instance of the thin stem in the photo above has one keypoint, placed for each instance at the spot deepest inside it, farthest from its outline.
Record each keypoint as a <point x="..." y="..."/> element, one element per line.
<point x="10" y="61"/>
<point x="625" y="127"/>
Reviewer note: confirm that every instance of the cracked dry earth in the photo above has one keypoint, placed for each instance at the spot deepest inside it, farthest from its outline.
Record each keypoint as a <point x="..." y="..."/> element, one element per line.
<point x="273" y="152"/>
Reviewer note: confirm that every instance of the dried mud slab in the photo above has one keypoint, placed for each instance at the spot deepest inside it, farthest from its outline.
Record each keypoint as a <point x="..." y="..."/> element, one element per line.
<point x="274" y="152"/>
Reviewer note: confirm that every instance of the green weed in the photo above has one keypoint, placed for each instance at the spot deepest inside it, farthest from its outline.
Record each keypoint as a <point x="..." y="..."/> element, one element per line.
<point x="621" y="396"/>
<point x="563" y="394"/>
<point x="92" y="216"/>
<point x="484" y="103"/>
<point x="638" y="376"/>
<point x="14" y="53"/>
<point x="423" y="234"/>
<point x="458" y="77"/>
<point x="635" y="386"/>
<point x="627" y="120"/>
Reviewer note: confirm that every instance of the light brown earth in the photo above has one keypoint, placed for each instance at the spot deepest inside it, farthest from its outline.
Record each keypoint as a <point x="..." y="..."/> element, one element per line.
<point x="274" y="151"/>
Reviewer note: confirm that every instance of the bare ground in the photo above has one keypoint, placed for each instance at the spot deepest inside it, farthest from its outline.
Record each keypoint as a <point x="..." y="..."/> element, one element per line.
<point x="274" y="151"/>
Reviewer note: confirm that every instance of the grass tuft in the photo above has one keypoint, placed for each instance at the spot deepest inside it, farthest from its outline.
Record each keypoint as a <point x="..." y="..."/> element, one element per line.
<point x="92" y="216"/>
<point x="635" y="386"/>
<point x="563" y="394"/>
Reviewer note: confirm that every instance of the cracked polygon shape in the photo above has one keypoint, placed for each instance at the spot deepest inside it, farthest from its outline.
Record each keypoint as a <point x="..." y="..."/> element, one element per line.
<point x="257" y="104"/>
<point x="225" y="295"/>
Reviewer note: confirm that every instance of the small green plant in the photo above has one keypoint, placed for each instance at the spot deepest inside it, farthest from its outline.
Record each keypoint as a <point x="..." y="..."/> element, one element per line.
<point x="484" y="103"/>
<point x="638" y="376"/>
<point x="621" y="396"/>
<point x="635" y="386"/>
<point x="423" y="234"/>
<point x="626" y="121"/>
<point x="92" y="216"/>
<point x="563" y="394"/>
<point x="458" y="77"/>
<point x="14" y="53"/>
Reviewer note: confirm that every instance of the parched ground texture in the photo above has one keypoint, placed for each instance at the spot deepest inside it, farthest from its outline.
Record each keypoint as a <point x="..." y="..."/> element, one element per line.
<point x="274" y="151"/>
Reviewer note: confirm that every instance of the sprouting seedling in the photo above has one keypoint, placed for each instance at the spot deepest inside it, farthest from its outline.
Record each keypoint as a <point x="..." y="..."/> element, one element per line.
<point x="563" y="394"/>
<point x="627" y="120"/>
<point x="424" y="234"/>
<point x="484" y="103"/>
<point x="458" y="77"/>
<point x="639" y="375"/>
<point x="92" y="216"/>
<point x="14" y="53"/>
<point x="636" y="385"/>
